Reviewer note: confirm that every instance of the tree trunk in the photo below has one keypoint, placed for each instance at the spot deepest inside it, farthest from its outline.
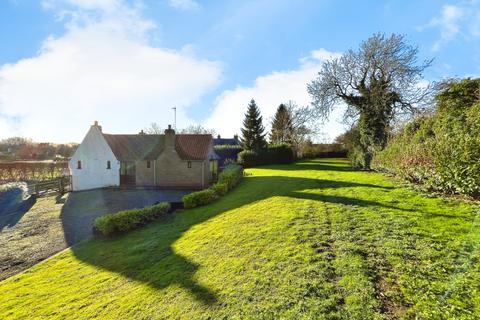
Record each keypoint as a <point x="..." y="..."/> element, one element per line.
<point x="367" y="160"/>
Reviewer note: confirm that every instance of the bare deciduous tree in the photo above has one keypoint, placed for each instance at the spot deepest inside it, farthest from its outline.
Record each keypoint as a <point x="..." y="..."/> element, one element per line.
<point x="380" y="80"/>
<point x="197" y="129"/>
<point x="153" y="129"/>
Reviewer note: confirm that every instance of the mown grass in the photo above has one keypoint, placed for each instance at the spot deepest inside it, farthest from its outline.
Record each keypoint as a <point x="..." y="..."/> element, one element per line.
<point x="313" y="240"/>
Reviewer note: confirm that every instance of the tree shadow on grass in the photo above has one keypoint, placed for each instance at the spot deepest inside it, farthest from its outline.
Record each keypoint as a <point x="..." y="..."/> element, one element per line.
<point x="325" y="165"/>
<point x="149" y="256"/>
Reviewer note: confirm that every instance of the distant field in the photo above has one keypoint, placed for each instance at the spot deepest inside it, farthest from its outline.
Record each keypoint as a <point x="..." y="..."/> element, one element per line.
<point x="312" y="240"/>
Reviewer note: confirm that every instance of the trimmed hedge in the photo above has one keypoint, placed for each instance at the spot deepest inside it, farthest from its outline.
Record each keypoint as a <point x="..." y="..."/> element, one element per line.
<point x="199" y="198"/>
<point x="273" y="154"/>
<point x="228" y="178"/>
<point x="220" y="188"/>
<point x="123" y="221"/>
<point x="231" y="176"/>
<point x="323" y="150"/>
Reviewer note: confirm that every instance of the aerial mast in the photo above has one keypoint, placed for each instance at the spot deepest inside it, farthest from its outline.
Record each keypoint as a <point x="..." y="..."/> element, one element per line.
<point x="175" y="118"/>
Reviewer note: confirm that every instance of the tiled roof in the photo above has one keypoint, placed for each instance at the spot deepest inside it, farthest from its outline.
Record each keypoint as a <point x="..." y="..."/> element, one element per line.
<point x="193" y="146"/>
<point x="225" y="141"/>
<point x="132" y="147"/>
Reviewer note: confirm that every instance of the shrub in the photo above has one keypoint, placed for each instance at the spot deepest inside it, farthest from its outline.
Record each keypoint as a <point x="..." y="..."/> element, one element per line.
<point x="220" y="189"/>
<point x="199" y="198"/>
<point x="441" y="150"/>
<point x="273" y="154"/>
<point x="227" y="179"/>
<point x="123" y="221"/>
<point x="231" y="176"/>
<point x="310" y="150"/>
<point x="247" y="158"/>
<point x="229" y="161"/>
<point x="225" y="153"/>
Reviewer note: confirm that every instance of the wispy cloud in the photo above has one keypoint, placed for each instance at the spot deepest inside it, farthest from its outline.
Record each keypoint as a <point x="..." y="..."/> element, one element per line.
<point x="103" y="68"/>
<point x="184" y="4"/>
<point x="461" y="19"/>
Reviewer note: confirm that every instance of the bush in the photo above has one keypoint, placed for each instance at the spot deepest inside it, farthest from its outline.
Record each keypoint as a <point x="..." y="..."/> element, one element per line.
<point x="310" y="150"/>
<point x="227" y="179"/>
<point x="199" y="198"/>
<point x="231" y="176"/>
<point x="225" y="153"/>
<point x="273" y="154"/>
<point x="247" y="158"/>
<point x="123" y="221"/>
<point x="441" y="150"/>
<point x="220" y="189"/>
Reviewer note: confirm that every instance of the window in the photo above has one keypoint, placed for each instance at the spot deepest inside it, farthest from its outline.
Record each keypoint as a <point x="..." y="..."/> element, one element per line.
<point x="189" y="164"/>
<point x="109" y="166"/>
<point x="79" y="164"/>
<point x="148" y="164"/>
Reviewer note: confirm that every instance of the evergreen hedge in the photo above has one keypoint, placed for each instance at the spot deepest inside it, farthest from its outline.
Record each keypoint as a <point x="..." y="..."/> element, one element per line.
<point x="199" y="198"/>
<point x="228" y="178"/>
<point x="124" y="221"/>
<point x="273" y="154"/>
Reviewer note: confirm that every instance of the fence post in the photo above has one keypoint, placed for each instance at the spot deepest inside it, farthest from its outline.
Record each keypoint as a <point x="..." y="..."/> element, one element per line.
<point x="60" y="185"/>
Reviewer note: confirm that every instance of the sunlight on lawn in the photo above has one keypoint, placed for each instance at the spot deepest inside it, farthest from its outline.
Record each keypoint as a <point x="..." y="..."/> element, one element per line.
<point x="291" y="241"/>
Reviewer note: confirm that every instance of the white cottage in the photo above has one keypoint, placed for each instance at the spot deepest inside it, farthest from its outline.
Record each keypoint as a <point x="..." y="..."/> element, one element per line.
<point x="147" y="160"/>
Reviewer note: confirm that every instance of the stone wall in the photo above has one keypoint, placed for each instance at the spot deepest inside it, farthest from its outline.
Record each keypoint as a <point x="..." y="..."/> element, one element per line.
<point x="172" y="171"/>
<point x="144" y="176"/>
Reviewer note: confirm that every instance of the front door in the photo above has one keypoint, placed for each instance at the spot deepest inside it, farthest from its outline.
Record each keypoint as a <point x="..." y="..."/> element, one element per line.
<point x="127" y="173"/>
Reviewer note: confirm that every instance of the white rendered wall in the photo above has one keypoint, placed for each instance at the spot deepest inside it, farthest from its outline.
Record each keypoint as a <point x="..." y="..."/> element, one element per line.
<point x="94" y="152"/>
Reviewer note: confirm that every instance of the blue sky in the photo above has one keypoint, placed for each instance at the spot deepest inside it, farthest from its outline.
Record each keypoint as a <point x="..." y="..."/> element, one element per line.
<point x="66" y="63"/>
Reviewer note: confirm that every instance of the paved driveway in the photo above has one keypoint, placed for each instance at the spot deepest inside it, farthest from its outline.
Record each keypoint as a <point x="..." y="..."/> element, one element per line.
<point x="32" y="230"/>
<point x="81" y="208"/>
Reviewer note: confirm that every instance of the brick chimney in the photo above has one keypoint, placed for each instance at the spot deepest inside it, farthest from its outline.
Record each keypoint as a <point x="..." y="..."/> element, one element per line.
<point x="169" y="138"/>
<point x="95" y="124"/>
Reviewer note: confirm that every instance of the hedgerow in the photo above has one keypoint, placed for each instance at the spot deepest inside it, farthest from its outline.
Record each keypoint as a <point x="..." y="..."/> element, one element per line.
<point x="124" y="221"/>
<point x="273" y="154"/>
<point x="442" y="150"/>
<point x="228" y="178"/>
<point x="199" y="198"/>
<point x="231" y="176"/>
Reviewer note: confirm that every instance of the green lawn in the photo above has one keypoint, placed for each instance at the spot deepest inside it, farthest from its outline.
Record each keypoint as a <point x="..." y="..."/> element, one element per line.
<point x="312" y="240"/>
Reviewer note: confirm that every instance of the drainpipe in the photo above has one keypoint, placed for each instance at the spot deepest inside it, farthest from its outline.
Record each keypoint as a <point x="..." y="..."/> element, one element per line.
<point x="203" y="174"/>
<point x="155" y="173"/>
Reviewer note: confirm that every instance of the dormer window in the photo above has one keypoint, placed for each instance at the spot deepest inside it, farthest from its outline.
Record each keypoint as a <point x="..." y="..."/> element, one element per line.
<point x="109" y="165"/>
<point x="79" y="164"/>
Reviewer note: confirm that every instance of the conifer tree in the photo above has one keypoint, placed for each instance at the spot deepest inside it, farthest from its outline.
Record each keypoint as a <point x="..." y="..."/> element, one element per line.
<point x="253" y="136"/>
<point x="281" y="126"/>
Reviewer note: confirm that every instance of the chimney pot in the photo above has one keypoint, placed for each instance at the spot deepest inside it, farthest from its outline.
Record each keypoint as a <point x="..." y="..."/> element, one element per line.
<point x="95" y="124"/>
<point x="169" y="138"/>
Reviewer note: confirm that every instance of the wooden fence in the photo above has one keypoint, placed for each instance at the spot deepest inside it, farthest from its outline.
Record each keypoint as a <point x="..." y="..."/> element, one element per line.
<point x="59" y="185"/>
